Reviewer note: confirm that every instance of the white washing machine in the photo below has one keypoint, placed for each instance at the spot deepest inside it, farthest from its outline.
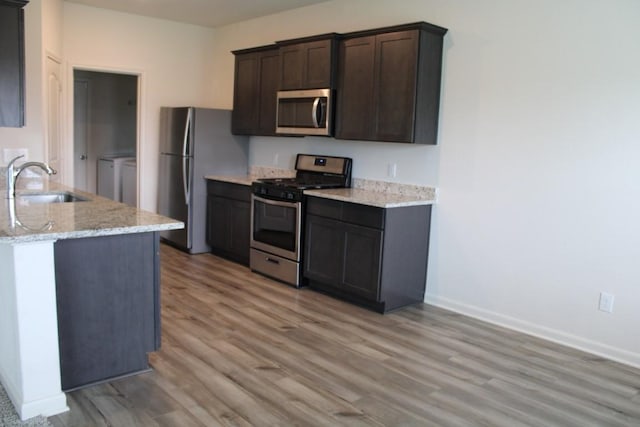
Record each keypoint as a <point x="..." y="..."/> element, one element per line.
<point x="130" y="183"/>
<point x="110" y="177"/>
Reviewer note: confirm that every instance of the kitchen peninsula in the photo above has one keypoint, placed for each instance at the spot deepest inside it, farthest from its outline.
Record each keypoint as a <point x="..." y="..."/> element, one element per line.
<point x="60" y="263"/>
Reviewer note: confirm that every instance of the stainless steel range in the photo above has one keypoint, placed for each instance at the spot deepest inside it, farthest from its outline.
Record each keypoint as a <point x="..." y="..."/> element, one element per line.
<point x="277" y="214"/>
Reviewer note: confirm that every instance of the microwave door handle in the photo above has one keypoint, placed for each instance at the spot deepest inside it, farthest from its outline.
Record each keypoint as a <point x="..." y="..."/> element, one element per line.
<point x="314" y="112"/>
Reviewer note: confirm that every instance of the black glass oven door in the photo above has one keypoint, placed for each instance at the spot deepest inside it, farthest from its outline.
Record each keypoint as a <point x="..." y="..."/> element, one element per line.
<point x="275" y="227"/>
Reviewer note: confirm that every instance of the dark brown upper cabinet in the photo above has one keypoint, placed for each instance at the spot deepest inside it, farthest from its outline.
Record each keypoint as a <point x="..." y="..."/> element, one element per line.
<point x="12" y="63"/>
<point x="388" y="84"/>
<point x="308" y="63"/>
<point x="257" y="73"/>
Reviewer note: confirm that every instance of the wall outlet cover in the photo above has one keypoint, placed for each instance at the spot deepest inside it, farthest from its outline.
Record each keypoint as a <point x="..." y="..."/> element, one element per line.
<point x="606" y="302"/>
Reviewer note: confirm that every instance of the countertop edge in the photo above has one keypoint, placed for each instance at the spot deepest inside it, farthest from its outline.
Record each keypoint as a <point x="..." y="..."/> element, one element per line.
<point x="360" y="195"/>
<point x="372" y="198"/>
<point x="95" y="217"/>
<point x="91" y="233"/>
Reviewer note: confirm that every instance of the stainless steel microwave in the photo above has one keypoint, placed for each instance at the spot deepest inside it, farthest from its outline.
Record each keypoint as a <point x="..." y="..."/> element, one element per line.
<point x="304" y="112"/>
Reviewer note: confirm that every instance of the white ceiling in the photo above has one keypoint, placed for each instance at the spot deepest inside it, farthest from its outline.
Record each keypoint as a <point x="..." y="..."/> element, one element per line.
<point x="208" y="13"/>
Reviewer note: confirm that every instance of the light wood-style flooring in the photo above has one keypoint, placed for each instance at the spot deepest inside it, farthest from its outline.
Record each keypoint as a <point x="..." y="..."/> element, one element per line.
<point x="240" y="349"/>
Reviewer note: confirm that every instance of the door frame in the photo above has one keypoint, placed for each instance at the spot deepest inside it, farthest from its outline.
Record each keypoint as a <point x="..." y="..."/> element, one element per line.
<point x="61" y="164"/>
<point x="68" y="148"/>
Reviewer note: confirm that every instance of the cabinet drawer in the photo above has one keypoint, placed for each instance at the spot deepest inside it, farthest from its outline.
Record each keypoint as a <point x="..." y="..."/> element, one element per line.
<point x="229" y="190"/>
<point x="368" y="216"/>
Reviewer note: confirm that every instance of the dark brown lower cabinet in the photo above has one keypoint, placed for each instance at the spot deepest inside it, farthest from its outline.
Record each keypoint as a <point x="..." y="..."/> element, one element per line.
<point x="370" y="256"/>
<point x="108" y="301"/>
<point x="229" y="220"/>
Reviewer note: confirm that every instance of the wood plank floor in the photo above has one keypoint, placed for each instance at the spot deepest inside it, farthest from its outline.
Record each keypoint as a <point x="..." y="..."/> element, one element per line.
<point x="239" y="349"/>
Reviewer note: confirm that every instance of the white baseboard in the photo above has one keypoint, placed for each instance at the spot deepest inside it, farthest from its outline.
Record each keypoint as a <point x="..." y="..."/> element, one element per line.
<point x="51" y="405"/>
<point x="47" y="407"/>
<point x="593" y="347"/>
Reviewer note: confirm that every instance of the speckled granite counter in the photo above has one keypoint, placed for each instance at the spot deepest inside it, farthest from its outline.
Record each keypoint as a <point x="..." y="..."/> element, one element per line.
<point x="233" y="179"/>
<point x="365" y="192"/>
<point x="371" y="198"/>
<point x="97" y="216"/>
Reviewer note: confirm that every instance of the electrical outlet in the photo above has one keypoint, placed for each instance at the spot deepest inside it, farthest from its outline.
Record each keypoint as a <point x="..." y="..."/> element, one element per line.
<point x="276" y="157"/>
<point x="606" y="302"/>
<point x="392" y="170"/>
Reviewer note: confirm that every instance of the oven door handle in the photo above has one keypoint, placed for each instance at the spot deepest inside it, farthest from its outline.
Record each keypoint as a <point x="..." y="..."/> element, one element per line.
<point x="273" y="202"/>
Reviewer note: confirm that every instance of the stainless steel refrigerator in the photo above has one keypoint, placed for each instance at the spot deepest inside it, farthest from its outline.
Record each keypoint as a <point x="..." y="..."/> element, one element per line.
<point x="194" y="142"/>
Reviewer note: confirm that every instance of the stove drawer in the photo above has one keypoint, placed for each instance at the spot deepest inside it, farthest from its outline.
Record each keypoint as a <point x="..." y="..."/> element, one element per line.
<point x="275" y="266"/>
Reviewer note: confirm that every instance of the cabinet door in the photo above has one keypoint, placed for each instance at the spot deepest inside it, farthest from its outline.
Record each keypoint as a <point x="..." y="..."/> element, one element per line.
<point x="388" y="87"/>
<point x="228" y="228"/>
<point x="306" y="65"/>
<point x="362" y="260"/>
<point x="354" y="111"/>
<point x="254" y="95"/>
<point x="395" y="73"/>
<point x="239" y="239"/>
<point x="218" y="223"/>
<point x="107" y="291"/>
<point x="343" y="256"/>
<point x="12" y="63"/>
<point x="269" y="77"/>
<point x="324" y="254"/>
<point x="244" y="119"/>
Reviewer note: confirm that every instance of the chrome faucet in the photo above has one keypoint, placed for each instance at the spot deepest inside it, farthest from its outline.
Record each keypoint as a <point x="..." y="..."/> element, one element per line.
<point x="13" y="172"/>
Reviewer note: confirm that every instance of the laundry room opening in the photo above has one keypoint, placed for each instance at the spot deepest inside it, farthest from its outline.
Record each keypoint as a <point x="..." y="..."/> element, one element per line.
<point x="105" y="114"/>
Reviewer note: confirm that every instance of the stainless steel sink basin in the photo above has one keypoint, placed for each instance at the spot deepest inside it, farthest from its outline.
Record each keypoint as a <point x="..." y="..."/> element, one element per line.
<point x="49" y="197"/>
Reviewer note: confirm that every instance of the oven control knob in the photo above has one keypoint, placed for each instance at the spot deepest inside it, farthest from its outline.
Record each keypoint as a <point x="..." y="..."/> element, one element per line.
<point x="290" y="195"/>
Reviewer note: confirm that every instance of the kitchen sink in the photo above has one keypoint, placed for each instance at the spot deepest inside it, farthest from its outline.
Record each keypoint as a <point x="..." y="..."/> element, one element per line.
<point x="49" y="197"/>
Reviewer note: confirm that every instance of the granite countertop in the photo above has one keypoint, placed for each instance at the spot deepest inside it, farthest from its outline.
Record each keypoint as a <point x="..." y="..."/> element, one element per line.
<point x="369" y="197"/>
<point x="97" y="216"/>
<point x="365" y="192"/>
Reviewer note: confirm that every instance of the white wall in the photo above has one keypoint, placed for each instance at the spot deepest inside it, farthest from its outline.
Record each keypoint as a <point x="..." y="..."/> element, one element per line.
<point x="52" y="24"/>
<point x="31" y="135"/>
<point x="173" y="60"/>
<point x="537" y="167"/>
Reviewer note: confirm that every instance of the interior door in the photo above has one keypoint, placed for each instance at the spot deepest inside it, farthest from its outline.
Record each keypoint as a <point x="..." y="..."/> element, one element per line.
<point x="54" y="109"/>
<point x="81" y="135"/>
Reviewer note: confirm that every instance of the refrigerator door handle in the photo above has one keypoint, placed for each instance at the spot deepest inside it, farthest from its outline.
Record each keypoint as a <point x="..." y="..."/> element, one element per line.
<point x="185" y="159"/>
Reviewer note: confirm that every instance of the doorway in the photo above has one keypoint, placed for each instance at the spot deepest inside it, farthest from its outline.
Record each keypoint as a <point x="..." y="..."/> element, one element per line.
<point x="105" y="115"/>
<point x="53" y="147"/>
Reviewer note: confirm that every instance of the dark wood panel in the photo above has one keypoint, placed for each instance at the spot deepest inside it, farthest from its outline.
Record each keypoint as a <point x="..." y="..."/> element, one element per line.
<point x="241" y="349"/>
<point x="229" y="190"/>
<point x="245" y="94"/>
<point x="368" y="216"/>
<point x="389" y="84"/>
<point x="324" y="253"/>
<point x="307" y="65"/>
<point x="108" y="302"/>
<point x="269" y="80"/>
<point x="256" y="81"/>
<point x="229" y="220"/>
<point x="395" y="98"/>
<point x="355" y="101"/>
<point x="362" y="261"/>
